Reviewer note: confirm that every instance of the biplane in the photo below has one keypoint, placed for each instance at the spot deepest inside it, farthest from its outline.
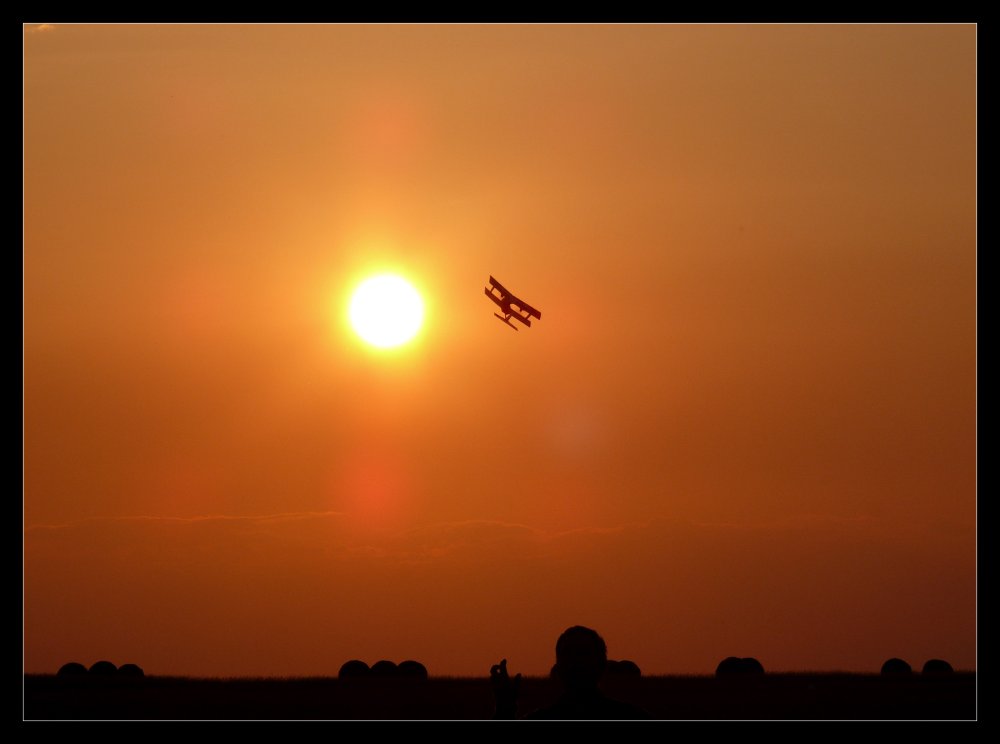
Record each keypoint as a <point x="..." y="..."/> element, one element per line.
<point x="510" y="306"/>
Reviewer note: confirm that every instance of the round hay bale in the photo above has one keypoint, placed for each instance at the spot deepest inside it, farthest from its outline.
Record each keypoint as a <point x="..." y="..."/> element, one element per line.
<point x="729" y="666"/>
<point x="627" y="668"/>
<point x="735" y="666"/>
<point x="384" y="668"/>
<point x="103" y="669"/>
<point x="353" y="669"/>
<point x="751" y="665"/>
<point x="937" y="668"/>
<point x="412" y="669"/>
<point x="896" y="668"/>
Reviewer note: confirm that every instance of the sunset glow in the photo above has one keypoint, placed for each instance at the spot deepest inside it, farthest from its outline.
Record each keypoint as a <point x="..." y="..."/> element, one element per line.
<point x="271" y="424"/>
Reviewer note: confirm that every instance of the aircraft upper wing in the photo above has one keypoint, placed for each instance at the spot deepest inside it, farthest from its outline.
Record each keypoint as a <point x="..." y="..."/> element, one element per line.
<point x="497" y="285"/>
<point x="499" y="301"/>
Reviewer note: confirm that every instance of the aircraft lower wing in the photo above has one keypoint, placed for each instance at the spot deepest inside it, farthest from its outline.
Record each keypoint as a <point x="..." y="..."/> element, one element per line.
<point x="505" y="319"/>
<point x="498" y="300"/>
<point x="524" y="310"/>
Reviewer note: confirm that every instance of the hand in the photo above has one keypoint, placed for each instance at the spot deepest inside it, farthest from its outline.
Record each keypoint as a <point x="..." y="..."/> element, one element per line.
<point x="505" y="690"/>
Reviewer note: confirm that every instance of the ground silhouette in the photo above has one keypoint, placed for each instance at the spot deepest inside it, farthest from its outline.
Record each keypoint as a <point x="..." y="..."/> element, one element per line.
<point x="773" y="696"/>
<point x="130" y="670"/>
<point x="581" y="660"/>
<point x="72" y="669"/>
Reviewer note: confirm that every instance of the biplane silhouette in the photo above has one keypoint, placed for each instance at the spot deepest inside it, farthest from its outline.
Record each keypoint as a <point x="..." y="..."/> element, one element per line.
<point x="510" y="306"/>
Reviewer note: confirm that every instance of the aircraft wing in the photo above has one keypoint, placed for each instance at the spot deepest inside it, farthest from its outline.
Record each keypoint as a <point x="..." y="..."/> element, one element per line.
<point x="505" y="319"/>
<point x="496" y="299"/>
<point x="499" y="287"/>
<point x="524" y="310"/>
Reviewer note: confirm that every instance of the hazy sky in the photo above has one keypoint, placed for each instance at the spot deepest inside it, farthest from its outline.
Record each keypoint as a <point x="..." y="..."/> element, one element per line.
<point x="745" y="425"/>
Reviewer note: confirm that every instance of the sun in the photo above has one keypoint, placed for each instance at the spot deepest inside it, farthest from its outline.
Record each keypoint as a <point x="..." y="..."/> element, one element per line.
<point x="386" y="311"/>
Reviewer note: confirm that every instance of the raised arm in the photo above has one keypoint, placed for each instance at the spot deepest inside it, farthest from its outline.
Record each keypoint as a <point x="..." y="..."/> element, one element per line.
<point x="505" y="691"/>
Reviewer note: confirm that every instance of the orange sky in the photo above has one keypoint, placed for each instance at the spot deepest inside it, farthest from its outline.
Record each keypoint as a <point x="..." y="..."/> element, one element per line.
<point x="745" y="425"/>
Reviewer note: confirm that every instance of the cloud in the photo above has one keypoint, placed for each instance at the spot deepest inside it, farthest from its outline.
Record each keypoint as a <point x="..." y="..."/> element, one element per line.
<point x="40" y="28"/>
<point x="303" y="538"/>
<point x="465" y="539"/>
<point x="141" y="518"/>
<point x="235" y="541"/>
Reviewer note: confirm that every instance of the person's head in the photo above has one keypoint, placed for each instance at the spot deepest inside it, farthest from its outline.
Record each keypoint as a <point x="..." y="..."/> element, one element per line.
<point x="581" y="656"/>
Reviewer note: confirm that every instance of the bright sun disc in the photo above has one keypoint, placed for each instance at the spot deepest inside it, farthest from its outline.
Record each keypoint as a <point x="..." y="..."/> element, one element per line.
<point x="386" y="311"/>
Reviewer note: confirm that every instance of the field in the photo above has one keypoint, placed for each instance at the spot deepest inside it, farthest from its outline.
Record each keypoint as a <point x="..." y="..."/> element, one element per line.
<point x="773" y="696"/>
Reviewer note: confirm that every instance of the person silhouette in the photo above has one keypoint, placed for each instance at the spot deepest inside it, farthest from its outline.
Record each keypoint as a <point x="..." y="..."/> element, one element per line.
<point x="581" y="658"/>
